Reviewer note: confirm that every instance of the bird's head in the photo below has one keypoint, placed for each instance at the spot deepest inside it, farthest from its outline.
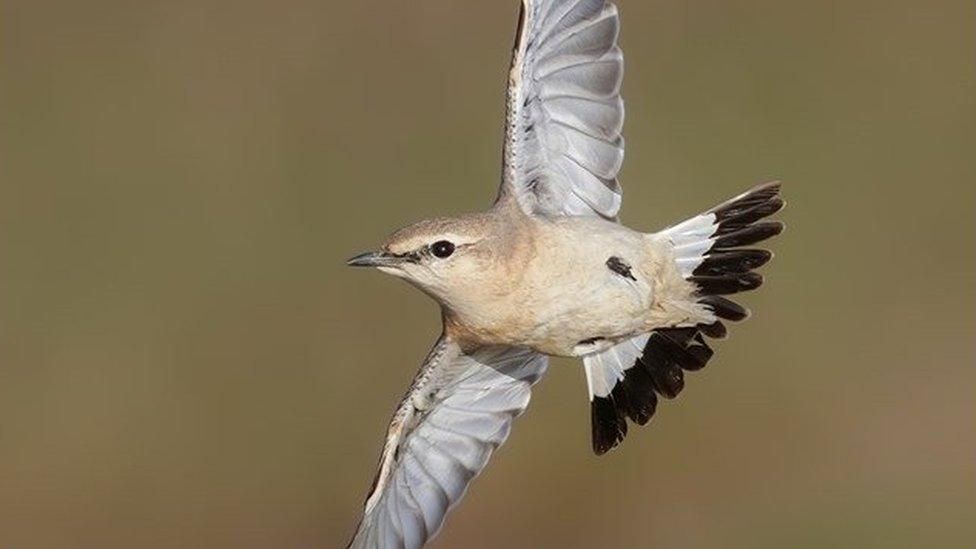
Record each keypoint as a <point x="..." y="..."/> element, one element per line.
<point x="448" y="258"/>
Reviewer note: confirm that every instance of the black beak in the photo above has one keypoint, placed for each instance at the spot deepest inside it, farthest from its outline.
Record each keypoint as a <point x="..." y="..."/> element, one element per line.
<point x="374" y="259"/>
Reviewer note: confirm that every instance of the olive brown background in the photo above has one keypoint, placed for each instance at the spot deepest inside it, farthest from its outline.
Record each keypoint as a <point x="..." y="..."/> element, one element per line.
<point x="186" y="362"/>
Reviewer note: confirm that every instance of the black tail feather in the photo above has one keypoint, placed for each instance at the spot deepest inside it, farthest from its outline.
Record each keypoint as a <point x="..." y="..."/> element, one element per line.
<point x="715" y="330"/>
<point x="725" y="308"/>
<point x="764" y="197"/>
<point x="750" y="234"/>
<point x="732" y="283"/>
<point x="609" y="425"/>
<point x="732" y="261"/>
<point x="639" y="395"/>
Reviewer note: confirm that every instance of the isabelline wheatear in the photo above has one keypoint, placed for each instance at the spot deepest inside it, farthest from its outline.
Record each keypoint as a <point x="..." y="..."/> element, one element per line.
<point x="548" y="270"/>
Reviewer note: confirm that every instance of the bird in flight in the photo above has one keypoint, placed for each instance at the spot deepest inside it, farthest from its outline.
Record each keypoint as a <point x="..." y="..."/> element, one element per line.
<point x="549" y="270"/>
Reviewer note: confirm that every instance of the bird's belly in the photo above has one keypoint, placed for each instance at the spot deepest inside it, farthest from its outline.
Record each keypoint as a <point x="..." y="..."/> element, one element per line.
<point x="592" y="321"/>
<point x="586" y="310"/>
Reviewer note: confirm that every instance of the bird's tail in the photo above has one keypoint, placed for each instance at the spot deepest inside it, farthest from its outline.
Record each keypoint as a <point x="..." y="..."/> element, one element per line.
<point x="711" y="252"/>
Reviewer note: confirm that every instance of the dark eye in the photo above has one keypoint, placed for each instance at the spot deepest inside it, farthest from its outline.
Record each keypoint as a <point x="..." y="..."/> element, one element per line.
<point x="442" y="248"/>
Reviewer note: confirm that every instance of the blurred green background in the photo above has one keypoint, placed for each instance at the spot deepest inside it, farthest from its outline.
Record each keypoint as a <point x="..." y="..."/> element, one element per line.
<point x="186" y="362"/>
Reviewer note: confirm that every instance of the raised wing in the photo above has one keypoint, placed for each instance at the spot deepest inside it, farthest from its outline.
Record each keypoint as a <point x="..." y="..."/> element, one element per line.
<point x="563" y="146"/>
<point x="458" y="410"/>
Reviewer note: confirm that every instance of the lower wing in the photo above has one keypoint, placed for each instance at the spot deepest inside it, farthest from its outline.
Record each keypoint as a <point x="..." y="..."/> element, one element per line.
<point x="459" y="408"/>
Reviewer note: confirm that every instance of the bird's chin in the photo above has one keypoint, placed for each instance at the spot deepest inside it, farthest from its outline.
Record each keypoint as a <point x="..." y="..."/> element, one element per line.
<point x="395" y="271"/>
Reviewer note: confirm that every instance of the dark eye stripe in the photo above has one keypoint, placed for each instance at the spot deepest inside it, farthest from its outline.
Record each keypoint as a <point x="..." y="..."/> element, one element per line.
<point x="410" y="257"/>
